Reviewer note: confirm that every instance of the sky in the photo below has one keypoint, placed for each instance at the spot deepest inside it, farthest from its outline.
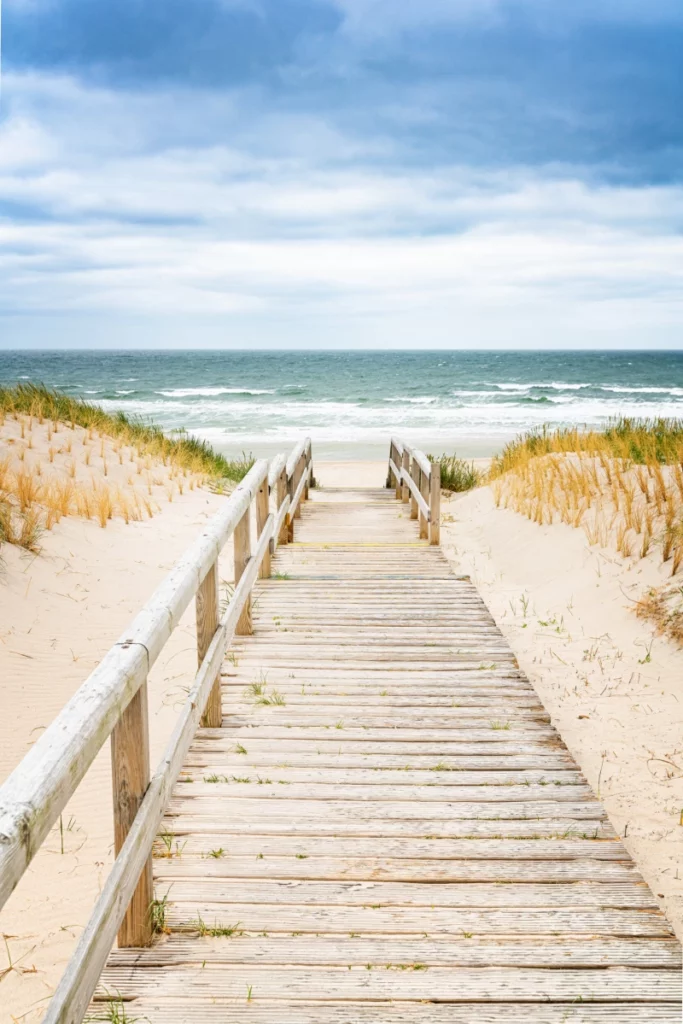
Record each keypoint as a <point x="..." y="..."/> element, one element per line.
<point x="341" y="173"/>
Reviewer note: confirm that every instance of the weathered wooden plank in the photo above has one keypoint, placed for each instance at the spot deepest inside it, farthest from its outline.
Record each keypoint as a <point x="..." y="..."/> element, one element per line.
<point x="450" y="951"/>
<point x="418" y="920"/>
<point x="279" y="822"/>
<point x="436" y="849"/>
<point x="265" y="1011"/>
<point x="440" y="984"/>
<point x="239" y="766"/>
<point x="263" y="787"/>
<point x="184" y="888"/>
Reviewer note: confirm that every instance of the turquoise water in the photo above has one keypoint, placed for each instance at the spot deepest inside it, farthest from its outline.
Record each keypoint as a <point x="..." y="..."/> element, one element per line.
<point x="351" y="402"/>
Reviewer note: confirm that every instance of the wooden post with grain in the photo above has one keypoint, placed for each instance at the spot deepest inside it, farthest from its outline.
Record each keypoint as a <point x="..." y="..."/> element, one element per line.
<point x="415" y="475"/>
<point x="242" y="549"/>
<point x="435" y="503"/>
<point x="405" y="466"/>
<point x="262" y="512"/>
<point x="207" y="623"/>
<point x="423" y="482"/>
<point x="130" y="779"/>
<point x="280" y="496"/>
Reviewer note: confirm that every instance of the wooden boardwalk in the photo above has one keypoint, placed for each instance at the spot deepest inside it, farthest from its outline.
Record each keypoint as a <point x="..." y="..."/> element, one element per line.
<point x="386" y="828"/>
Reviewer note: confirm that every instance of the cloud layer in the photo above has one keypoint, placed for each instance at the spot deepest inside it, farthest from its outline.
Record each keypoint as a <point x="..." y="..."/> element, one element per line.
<point x="345" y="173"/>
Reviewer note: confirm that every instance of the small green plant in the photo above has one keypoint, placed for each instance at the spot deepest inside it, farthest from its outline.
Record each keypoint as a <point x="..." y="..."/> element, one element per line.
<point x="157" y="915"/>
<point x="274" y="698"/>
<point x="114" y="1012"/>
<point x="218" y="930"/>
<point x="280" y="576"/>
<point x="239" y="749"/>
<point x="457" y="474"/>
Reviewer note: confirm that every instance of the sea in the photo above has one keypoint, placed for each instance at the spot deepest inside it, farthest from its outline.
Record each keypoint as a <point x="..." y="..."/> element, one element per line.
<point x="351" y="403"/>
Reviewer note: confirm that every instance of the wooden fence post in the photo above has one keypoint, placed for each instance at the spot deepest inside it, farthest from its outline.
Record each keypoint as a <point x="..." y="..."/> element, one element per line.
<point x="300" y="467"/>
<point x="307" y="462"/>
<point x="291" y="488"/>
<point x="262" y="512"/>
<point x="435" y="503"/>
<point x="389" y="472"/>
<point x="207" y="614"/>
<point x="397" y="481"/>
<point x="423" y="484"/>
<point x="415" y="475"/>
<point x="405" y="466"/>
<point x="242" y="548"/>
<point x="130" y="779"/>
<point x="280" y="497"/>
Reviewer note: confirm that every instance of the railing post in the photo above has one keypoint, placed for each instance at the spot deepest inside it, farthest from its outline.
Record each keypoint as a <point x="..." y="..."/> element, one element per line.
<point x="291" y="488"/>
<point x="262" y="510"/>
<point x="307" y="462"/>
<point x="405" y="466"/>
<point x="415" y="475"/>
<point x="207" y="615"/>
<point x="300" y="467"/>
<point x="423" y="483"/>
<point x="242" y="549"/>
<point x="280" y="497"/>
<point x="435" y="503"/>
<point x="391" y="458"/>
<point x="130" y="779"/>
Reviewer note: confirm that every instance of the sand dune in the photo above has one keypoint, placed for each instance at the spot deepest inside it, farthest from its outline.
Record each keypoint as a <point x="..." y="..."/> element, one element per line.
<point x="613" y="689"/>
<point x="60" y="611"/>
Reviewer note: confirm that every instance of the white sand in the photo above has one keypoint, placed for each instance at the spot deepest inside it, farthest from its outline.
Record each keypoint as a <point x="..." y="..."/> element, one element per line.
<point x="614" y="692"/>
<point x="60" y="612"/>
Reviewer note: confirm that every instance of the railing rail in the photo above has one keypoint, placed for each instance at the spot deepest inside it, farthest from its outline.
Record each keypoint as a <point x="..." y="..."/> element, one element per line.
<point x="113" y="702"/>
<point x="418" y="481"/>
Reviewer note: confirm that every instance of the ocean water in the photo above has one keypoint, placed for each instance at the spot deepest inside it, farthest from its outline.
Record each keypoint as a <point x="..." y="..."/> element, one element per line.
<point x="350" y="403"/>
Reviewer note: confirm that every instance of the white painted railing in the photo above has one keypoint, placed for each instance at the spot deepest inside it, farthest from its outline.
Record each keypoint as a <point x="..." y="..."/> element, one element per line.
<point x="418" y="481"/>
<point x="113" y="702"/>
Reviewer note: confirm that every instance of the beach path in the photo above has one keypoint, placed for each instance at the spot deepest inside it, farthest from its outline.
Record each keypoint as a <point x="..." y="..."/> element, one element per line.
<point x="387" y="827"/>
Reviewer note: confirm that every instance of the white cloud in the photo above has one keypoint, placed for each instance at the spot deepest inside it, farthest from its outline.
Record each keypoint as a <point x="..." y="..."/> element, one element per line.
<point x="306" y="241"/>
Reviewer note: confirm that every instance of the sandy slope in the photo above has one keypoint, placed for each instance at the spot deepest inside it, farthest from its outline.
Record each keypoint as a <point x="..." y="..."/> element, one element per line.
<point x="614" y="692"/>
<point x="59" y="613"/>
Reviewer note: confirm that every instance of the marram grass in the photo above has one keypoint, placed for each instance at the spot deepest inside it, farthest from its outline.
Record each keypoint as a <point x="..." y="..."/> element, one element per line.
<point x="639" y="441"/>
<point x="42" y="403"/>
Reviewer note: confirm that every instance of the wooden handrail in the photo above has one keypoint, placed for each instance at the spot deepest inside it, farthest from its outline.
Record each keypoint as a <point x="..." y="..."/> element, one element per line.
<point x="113" y="701"/>
<point x="417" y="480"/>
<point x="78" y="983"/>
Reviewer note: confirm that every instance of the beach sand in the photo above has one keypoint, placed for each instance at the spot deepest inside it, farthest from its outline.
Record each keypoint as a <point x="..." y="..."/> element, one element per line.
<point x="613" y="690"/>
<point x="615" y="695"/>
<point x="60" y="611"/>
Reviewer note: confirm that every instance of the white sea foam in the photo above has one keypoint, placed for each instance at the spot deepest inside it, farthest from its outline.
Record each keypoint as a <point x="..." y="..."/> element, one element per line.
<point x="213" y="392"/>
<point x="675" y="392"/>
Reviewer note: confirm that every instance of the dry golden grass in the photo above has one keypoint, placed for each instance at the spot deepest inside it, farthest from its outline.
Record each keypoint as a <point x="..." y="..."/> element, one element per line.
<point x="634" y="508"/>
<point x="42" y="483"/>
<point x="664" y="607"/>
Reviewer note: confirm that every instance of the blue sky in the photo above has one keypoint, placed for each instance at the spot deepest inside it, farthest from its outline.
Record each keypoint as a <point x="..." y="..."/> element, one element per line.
<point x="236" y="173"/>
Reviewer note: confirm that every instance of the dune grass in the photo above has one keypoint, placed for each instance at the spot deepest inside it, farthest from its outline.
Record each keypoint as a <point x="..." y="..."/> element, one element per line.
<point x="457" y="474"/>
<point x="42" y="404"/>
<point x="65" y="457"/>
<point x="640" y="441"/>
<point x="622" y="485"/>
